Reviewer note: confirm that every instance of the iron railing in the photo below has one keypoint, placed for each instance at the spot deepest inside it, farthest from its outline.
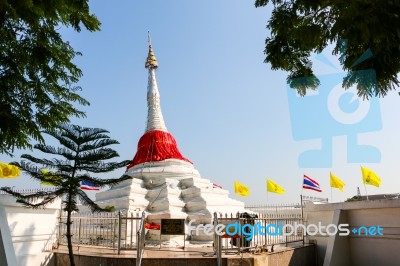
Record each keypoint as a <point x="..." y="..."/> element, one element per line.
<point x="129" y="224"/>
<point x="29" y="190"/>
<point x="126" y="231"/>
<point x="109" y="230"/>
<point x="140" y="240"/>
<point x="262" y="231"/>
<point x="217" y="242"/>
<point x="277" y="210"/>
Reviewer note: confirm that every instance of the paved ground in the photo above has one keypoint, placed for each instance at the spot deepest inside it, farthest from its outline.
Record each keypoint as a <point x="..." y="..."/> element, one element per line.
<point x="154" y="251"/>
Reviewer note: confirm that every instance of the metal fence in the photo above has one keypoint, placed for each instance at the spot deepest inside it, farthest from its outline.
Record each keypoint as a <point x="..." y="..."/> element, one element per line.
<point x="277" y="210"/>
<point x="217" y="242"/>
<point x="258" y="232"/>
<point x="110" y="230"/>
<point x="126" y="230"/>
<point x="314" y="199"/>
<point x="29" y="190"/>
<point x="140" y="240"/>
<point x="130" y="224"/>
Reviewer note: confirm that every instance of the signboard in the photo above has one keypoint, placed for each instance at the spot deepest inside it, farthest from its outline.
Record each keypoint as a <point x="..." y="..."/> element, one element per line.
<point x="172" y="226"/>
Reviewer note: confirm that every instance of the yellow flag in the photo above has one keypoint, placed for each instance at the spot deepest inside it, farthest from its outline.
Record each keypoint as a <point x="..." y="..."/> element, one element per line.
<point x="8" y="170"/>
<point x="336" y="182"/>
<point x="49" y="175"/>
<point x="241" y="189"/>
<point x="369" y="177"/>
<point x="274" y="187"/>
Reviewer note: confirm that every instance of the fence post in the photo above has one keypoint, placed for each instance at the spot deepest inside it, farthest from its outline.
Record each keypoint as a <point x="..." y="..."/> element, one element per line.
<point x="265" y="226"/>
<point x="140" y="240"/>
<point x="302" y="215"/>
<point x="113" y="231"/>
<point x="240" y="239"/>
<point x="119" y="233"/>
<point x="79" y="232"/>
<point x="217" y="244"/>
<point x="59" y="229"/>
<point x="286" y="241"/>
<point x="132" y="231"/>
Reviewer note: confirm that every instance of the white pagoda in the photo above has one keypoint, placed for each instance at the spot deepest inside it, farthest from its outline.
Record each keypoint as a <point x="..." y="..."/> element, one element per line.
<point x="164" y="183"/>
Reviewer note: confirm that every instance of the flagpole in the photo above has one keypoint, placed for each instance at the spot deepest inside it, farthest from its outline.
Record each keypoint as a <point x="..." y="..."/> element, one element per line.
<point x="301" y="197"/>
<point x="331" y="195"/>
<point x="301" y="192"/>
<point x="362" y="173"/>
<point x="301" y="202"/>
<point x="302" y="217"/>
<point x="366" y="191"/>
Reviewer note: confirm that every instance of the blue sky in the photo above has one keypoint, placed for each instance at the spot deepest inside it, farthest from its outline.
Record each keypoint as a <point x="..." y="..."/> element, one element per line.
<point x="229" y="112"/>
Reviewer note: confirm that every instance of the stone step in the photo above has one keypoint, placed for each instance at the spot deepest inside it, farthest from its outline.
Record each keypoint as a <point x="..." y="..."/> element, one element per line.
<point x="163" y="204"/>
<point x="193" y="191"/>
<point x="162" y="192"/>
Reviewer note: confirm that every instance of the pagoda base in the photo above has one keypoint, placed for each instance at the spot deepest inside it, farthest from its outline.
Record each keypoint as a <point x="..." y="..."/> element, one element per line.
<point x="170" y="189"/>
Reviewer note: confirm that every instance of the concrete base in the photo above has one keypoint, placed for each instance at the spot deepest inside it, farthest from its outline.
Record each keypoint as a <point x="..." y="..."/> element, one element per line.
<point x="294" y="256"/>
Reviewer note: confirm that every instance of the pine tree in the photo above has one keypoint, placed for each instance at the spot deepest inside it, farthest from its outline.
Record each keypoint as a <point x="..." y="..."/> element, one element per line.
<point x="84" y="152"/>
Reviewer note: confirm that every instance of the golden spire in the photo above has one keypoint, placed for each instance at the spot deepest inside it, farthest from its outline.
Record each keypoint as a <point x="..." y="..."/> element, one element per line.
<point x="151" y="62"/>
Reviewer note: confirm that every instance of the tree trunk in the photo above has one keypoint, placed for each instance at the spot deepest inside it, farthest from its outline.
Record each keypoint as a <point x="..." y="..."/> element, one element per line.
<point x="69" y="239"/>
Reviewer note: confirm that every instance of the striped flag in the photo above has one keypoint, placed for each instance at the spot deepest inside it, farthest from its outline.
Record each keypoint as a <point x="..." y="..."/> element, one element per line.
<point x="216" y="186"/>
<point x="86" y="185"/>
<point x="309" y="183"/>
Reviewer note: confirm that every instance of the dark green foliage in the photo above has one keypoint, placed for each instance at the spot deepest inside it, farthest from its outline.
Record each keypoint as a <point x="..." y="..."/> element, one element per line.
<point x="354" y="198"/>
<point x="37" y="76"/>
<point x="84" y="151"/>
<point x="371" y="29"/>
<point x="110" y="208"/>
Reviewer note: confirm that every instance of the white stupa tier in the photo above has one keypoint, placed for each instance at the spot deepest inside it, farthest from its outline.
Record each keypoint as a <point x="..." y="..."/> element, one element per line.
<point x="164" y="183"/>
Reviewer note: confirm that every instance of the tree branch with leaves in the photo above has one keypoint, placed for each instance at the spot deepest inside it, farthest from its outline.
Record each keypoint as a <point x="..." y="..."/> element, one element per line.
<point x="365" y="34"/>
<point x="38" y="78"/>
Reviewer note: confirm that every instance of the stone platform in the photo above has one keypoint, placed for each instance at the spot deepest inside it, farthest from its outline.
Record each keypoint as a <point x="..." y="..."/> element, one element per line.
<point x="296" y="255"/>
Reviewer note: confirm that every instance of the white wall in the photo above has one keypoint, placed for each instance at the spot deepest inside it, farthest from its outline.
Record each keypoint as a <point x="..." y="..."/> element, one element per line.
<point x="25" y="232"/>
<point x="356" y="249"/>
